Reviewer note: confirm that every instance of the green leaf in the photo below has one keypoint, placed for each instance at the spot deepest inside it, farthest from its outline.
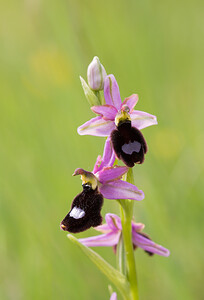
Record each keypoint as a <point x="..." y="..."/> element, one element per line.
<point x="90" y="95"/>
<point x="111" y="273"/>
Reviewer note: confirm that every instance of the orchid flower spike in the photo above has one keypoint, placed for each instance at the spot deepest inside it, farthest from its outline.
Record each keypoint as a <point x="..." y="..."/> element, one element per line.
<point x="104" y="181"/>
<point x="112" y="231"/>
<point x="121" y="122"/>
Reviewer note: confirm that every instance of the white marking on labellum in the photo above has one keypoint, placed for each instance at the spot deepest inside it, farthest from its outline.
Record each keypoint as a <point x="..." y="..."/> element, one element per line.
<point x="131" y="147"/>
<point x="77" y="213"/>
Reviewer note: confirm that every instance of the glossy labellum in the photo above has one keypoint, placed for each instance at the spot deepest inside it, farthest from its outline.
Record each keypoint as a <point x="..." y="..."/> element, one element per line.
<point x="129" y="144"/>
<point x="85" y="211"/>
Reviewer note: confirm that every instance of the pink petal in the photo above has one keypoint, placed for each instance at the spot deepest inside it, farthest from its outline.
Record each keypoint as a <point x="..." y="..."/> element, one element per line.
<point x="141" y="119"/>
<point x="131" y="101"/>
<point x="107" y="111"/>
<point x="111" y="92"/>
<point x="108" y="156"/>
<point x="113" y="296"/>
<point x="103" y="240"/>
<point x="107" y="152"/>
<point x="137" y="226"/>
<point x="111" y="173"/>
<point x="112" y="159"/>
<point x="105" y="228"/>
<point x="97" y="127"/>
<point x="148" y="245"/>
<point x="97" y="164"/>
<point x="121" y="190"/>
<point x="113" y="221"/>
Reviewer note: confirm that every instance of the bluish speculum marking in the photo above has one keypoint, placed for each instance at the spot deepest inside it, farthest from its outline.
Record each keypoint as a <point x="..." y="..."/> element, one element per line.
<point x="131" y="147"/>
<point x="77" y="213"/>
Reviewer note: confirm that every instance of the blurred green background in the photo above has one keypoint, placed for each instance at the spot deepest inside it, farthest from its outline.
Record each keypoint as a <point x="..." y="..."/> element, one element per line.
<point x="154" y="48"/>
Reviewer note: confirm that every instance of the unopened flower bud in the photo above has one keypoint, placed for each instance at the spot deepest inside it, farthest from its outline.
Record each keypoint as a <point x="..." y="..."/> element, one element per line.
<point x="96" y="74"/>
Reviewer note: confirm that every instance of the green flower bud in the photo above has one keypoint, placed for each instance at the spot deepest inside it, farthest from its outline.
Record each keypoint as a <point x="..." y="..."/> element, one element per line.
<point x="89" y="94"/>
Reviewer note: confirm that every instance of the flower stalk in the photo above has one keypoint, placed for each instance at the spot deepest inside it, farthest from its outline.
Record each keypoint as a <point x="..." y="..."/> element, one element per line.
<point x="126" y="209"/>
<point x="121" y="124"/>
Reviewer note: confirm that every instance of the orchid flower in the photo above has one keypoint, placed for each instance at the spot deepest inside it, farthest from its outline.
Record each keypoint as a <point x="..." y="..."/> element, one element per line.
<point x="120" y="121"/>
<point x="107" y="177"/>
<point x="104" y="181"/>
<point x="112" y="231"/>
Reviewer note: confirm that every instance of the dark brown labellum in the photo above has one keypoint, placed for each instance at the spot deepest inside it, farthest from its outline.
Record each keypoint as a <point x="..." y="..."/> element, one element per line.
<point x="85" y="211"/>
<point x="129" y="144"/>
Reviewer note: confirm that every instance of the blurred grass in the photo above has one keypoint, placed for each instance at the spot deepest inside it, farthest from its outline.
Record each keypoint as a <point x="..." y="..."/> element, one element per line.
<point x="154" y="49"/>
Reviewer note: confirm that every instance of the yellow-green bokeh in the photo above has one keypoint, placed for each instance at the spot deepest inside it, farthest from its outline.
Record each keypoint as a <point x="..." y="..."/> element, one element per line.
<point x="155" y="49"/>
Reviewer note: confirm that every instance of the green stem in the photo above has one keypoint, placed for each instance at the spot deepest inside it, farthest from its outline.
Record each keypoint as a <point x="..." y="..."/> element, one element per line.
<point x="98" y="95"/>
<point x="126" y="218"/>
<point x="120" y="256"/>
